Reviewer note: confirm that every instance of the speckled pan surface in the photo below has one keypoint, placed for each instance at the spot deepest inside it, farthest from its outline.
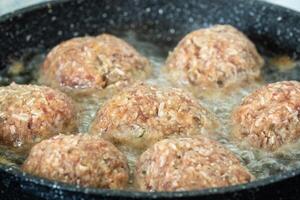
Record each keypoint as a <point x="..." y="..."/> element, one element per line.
<point x="274" y="29"/>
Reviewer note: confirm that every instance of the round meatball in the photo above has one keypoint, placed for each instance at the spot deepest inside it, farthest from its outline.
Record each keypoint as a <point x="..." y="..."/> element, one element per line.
<point x="269" y="117"/>
<point x="214" y="58"/>
<point x="30" y="113"/>
<point x="188" y="163"/>
<point x="89" y="64"/>
<point x="78" y="159"/>
<point x="144" y="114"/>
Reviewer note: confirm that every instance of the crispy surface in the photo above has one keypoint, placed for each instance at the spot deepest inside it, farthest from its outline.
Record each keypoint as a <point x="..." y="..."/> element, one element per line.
<point x="144" y="114"/>
<point x="269" y="117"/>
<point x="78" y="159"/>
<point x="214" y="58"/>
<point x="29" y="113"/>
<point x="93" y="63"/>
<point x="188" y="163"/>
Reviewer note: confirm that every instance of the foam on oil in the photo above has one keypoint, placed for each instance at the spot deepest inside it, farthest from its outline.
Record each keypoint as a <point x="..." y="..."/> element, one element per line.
<point x="260" y="163"/>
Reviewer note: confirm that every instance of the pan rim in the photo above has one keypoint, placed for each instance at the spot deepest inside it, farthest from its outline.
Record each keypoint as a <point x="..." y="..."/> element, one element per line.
<point x="33" y="7"/>
<point x="24" y="177"/>
<point x="28" y="178"/>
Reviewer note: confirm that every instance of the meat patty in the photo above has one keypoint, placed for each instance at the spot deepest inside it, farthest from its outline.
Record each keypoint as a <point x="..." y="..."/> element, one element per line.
<point x="214" y="59"/>
<point x="145" y="114"/>
<point x="91" y="64"/>
<point x="269" y="117"/>
<point x="188" y="164"/>
<point x="30" y="113"/>
<point x="79" y="159"/>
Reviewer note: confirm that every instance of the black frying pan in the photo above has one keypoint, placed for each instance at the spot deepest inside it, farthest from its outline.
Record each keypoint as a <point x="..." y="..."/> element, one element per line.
<point x="274" y="29"/>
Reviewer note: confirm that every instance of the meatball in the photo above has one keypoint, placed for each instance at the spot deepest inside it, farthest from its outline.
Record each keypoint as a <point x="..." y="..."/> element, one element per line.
<point x="188" y="163"/>
<point x="212" y="59"/>
<point x="144" y="114"/>
<point x="78" y="159"/>
<point x="89" y="64"/>
<point x="269" y="117"/>
<point x="30" y="113"/>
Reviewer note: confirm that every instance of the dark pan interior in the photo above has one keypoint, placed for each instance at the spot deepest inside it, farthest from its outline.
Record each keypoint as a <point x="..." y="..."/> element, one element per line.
<point x="274" y="29"/>
<point x="163" y="22"/>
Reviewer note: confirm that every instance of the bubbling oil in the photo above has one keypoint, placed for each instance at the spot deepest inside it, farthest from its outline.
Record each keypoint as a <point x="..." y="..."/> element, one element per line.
<point x="260" y="163"/>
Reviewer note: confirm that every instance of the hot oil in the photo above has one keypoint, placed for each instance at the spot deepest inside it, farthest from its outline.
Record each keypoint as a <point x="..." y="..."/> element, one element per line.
<point x="260" y="163"/>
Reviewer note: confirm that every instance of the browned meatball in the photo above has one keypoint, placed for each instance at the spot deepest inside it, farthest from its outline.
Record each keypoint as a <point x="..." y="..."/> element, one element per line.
<point x="89" y="64"/>
<point x="269" y="117"/>
<point x="144" y="114"/>
<point x="78" y="159"/>
<point x="188" y="163"/>
<point x="29" y="113"/>
<point x="215" y="58"/>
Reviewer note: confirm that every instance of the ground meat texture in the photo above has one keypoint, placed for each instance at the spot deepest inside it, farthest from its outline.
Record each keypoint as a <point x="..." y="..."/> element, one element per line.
<point x="30" y="113"/>
<point x="188" y="164"/>
<point x="269" y="117"/>
<point x="79" y="159"/>
<point x="145" y="114"/>
<point x="215" y="58"/>
<point x="93" y="63"/>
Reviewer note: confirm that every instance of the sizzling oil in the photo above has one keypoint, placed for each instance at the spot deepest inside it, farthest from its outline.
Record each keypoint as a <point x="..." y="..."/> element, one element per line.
<point x="260" y="163"/>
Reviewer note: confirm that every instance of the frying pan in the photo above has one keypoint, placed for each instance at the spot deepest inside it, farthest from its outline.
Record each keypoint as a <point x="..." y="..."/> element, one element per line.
<point x="275" y="30"/>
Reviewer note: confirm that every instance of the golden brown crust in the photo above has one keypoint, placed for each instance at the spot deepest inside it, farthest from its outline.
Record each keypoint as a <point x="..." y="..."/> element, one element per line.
<point x="144" y="114"/>
<point x="188" y="163"/>
<point x="78" y="159"/>
<point x="93" y="63"/>
<point x="29" y="113"/>
<point x="269" y="117"/>
<point x="214" y="58"/>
